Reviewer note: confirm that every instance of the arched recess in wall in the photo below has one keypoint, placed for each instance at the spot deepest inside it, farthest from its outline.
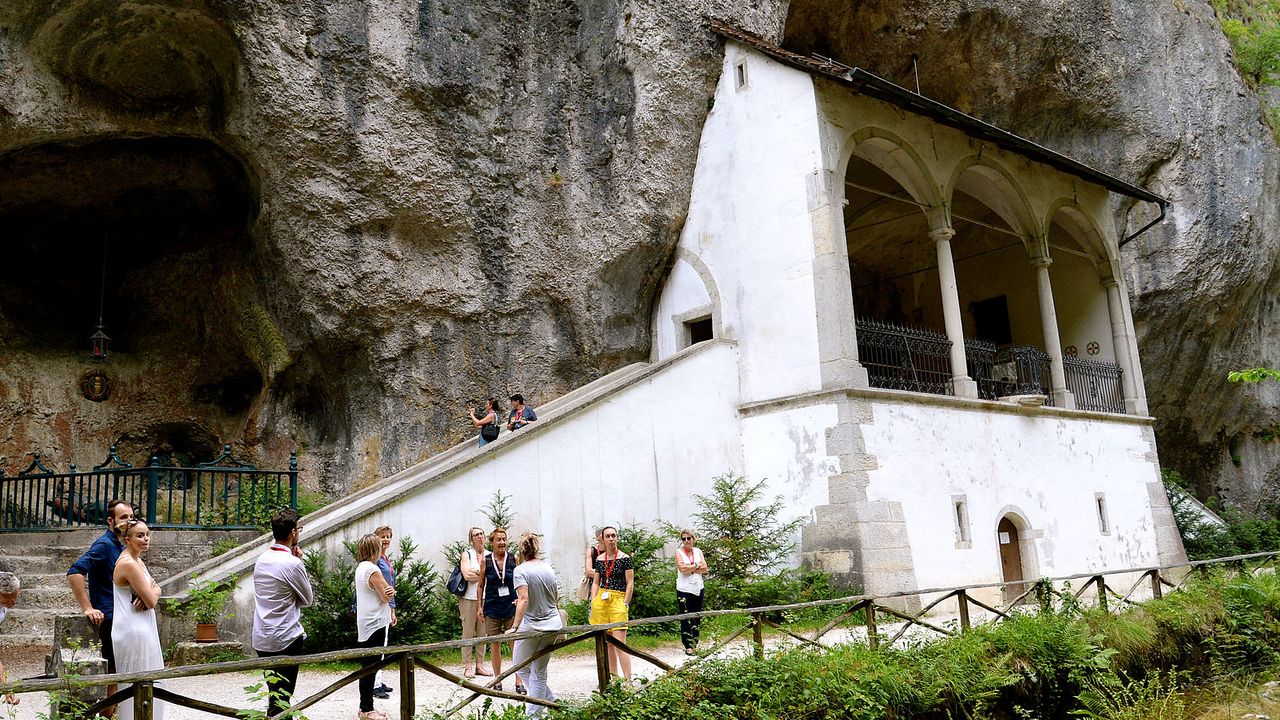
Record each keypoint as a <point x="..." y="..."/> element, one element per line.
<point x="889" y="197"/>
<point x="1082" y="262"/>
<point x="689" y="309"/>
<point x="994" y="230"/>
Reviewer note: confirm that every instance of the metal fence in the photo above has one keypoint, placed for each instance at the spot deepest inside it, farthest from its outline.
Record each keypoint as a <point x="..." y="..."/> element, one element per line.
<point x="898" y="357"/>
<point x="225" y="493"/>
<point x="1095" y="384"/>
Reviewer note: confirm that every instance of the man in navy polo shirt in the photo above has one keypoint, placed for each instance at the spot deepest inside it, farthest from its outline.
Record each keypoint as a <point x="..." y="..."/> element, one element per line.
<point x="90" y="577"/>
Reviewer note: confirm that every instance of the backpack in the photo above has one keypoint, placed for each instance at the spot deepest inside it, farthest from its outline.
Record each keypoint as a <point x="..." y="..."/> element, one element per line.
<point x="490" y="432"/>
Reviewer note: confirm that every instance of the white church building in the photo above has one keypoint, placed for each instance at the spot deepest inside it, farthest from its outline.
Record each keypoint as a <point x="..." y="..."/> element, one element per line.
<point x="914" y="325"/>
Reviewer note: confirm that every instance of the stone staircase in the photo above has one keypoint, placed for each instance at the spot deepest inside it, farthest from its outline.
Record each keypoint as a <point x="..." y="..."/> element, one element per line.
<point x="40" y="560"/>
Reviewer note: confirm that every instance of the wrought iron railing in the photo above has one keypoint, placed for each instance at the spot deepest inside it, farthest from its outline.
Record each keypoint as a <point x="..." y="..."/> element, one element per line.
<point x="898" y="357"/>
<point x="1022" y="370"/>
<point x="225" y="493"/>
<point x="980" y="357"/>
<point x="1095" y="384"/>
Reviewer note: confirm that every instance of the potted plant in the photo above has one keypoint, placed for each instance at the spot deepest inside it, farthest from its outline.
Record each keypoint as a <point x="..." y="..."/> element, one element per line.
<point x="205" y="602"/>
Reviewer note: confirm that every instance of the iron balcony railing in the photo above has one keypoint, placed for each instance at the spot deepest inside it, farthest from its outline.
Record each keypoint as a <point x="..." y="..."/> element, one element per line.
<point x="225" y="493"/>
<point x="898" y="357"/>
<point x="1095" y="384"/>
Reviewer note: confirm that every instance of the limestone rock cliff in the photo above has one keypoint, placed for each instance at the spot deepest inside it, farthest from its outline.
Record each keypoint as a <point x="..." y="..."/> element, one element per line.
<point x="330" y="225"/>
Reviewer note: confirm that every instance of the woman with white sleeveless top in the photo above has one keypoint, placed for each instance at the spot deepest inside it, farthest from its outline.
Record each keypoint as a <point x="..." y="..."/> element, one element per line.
<point x="689" y="588"/>
<point x="373" y="615"/>
<point x="133" y="632"/>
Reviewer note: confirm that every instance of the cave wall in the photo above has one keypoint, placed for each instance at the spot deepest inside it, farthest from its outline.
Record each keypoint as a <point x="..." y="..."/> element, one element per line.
<point x="425" y="203"/>
<point x="1144" y="90"/>
<point x="329" y="225"/>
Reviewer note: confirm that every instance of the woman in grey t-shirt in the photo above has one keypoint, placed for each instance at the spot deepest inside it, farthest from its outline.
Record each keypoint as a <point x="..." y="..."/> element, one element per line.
<point x="535" y="583"/>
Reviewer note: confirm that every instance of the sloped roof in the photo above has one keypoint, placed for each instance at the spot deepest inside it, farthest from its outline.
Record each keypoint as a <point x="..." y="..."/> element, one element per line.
<point x="872" y="85"/>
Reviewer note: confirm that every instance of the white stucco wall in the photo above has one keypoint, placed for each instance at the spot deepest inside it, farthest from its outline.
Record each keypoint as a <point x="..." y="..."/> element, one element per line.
<point x="749" y="224"/>
<point x="1081" y="304"/>
<point x="1046" y="469"/>
<point x="788" y="450"/>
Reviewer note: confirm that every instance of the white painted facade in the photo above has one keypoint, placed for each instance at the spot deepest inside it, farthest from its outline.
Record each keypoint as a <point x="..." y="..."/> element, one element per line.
<point x="780" y="394"/>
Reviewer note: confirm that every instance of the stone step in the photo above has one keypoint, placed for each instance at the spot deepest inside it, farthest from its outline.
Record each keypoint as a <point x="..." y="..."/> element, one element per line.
<point x="30" y="621"/>
<point x="20" y="640"/>
<point x="53" y="563"/>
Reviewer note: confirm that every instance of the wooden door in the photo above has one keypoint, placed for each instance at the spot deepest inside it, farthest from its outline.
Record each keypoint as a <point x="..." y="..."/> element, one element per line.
<point x="1010" y="557"/>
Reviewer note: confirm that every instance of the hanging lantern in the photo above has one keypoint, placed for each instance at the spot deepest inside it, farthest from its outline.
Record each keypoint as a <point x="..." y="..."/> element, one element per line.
<point x="100" y="343"/>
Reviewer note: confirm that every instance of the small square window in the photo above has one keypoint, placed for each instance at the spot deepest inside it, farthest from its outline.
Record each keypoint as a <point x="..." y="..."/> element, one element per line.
<point x="740" y="75"/>
<point x="700" y="330"/>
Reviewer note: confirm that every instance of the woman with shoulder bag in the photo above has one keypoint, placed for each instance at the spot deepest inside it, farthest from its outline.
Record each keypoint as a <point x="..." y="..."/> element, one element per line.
<point x="488" y="423"/>
<point x="689" y="588"/>
<point x="472" y="566"/>
<point x="589" y="572"/>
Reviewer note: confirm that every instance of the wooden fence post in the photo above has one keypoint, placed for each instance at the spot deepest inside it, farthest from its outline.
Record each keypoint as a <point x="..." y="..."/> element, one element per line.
<point x="873" y="634"/>
<point x="963" y="601"/>
<point x="1157" y="592"/>
<point x="143" y="700"/>
<point x="1101" y="584"/>
<point x="757" y="635"/>
<point x="408" y="703"/>
<point x="602" y="661"/>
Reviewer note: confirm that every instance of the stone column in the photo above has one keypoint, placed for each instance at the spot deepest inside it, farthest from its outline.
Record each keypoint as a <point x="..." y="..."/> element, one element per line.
<point x="965" y="386"/>
<point x="1053" y="343"/>
<point x="1120" y="339"/>
<point x="832" y="286"/>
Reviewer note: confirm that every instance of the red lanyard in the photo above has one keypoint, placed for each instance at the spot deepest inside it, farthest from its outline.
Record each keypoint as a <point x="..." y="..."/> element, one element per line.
<point x="280" y="549"/>
<point x="609" y="567"/>
<point x="502" y="576"/>
<point x="691" y="556"/>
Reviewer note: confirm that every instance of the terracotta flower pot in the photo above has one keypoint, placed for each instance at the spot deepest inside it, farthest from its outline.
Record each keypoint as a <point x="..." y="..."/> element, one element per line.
<point x="206" y="632"/>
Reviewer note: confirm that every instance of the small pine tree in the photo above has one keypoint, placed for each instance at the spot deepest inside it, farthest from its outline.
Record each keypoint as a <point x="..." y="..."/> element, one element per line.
<point x="498" y="512"/>
<point x="742" y="539"/>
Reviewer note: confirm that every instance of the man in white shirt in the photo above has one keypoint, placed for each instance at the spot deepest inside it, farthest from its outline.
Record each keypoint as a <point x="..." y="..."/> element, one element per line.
<point x="281" y="589"/>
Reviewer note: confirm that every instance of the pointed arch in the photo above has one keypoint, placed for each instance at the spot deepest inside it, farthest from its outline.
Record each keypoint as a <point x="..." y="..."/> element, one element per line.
<point x="991" y="183"/>
<point x="897" y="158"/>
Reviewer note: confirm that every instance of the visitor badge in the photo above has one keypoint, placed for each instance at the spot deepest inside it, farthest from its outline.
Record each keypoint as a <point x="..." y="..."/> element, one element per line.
<point x="604" y="595"/>
<point x="504" y="591"/>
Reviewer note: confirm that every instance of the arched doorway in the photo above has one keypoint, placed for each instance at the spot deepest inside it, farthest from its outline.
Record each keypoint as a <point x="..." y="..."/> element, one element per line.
<point x="1010" y="557"/>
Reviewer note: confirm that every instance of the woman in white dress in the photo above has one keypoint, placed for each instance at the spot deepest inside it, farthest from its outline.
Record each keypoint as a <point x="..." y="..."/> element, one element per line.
<point x="373" y="616"/>
<point x="133" y="631"/>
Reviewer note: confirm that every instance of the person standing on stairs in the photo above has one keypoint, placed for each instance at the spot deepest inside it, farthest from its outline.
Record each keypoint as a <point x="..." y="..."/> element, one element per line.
<point x="8" y="598"/>
<point x="521" y="414"/>
<point x="487" y="424"/>
<point x="91" y="581"/>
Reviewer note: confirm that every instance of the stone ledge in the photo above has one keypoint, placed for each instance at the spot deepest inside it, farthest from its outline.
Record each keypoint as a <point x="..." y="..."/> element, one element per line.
<point x="193" y="653"/>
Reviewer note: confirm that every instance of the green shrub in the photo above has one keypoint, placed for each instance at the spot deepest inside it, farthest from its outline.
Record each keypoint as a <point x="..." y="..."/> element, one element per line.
<point x="425" y="612"/>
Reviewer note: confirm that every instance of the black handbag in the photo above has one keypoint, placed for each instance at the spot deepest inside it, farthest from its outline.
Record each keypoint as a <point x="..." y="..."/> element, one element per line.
<point x="456" y="584"/>
<point x="489" y="432"/>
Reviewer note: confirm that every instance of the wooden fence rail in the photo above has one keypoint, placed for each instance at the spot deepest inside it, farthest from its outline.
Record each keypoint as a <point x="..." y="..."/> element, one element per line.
<point x="144" y="691"/>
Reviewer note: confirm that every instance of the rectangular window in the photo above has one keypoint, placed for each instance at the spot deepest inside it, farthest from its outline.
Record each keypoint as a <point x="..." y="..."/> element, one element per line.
<point x="699" y="330"/>
<point x="960" y="516"/>
<point x="1104" y="525"/>
<point x="740" y="75"/>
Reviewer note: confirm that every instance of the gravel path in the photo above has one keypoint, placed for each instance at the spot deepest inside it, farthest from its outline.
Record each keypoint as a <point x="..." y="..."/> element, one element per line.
<point x="572" y="676"/>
